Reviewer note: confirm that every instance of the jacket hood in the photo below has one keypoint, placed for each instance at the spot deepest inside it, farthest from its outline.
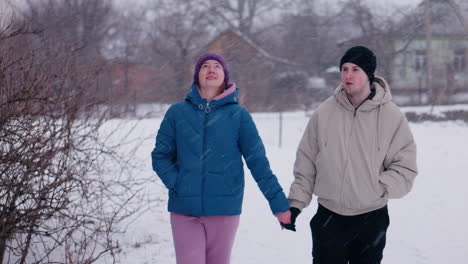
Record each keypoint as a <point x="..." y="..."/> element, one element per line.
<point x="227" y="97"/>
<point x="382" y="96"/>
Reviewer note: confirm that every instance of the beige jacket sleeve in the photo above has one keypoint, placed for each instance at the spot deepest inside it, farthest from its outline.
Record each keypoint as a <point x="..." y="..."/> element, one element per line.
<point x="300" y="194"/>
<point x="400" y="167"/>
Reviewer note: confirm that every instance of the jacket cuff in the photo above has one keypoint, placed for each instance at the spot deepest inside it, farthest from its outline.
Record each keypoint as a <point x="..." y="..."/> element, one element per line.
<point x="298" y="204"/>
<point x="279" y="204"/>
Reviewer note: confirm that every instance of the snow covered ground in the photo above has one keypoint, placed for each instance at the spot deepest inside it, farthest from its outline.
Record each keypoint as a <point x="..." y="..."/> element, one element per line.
<point x="428" y="226"/>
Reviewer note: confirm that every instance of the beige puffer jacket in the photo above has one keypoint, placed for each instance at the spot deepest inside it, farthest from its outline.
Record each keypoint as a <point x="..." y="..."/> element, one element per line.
<point x="354" y="160"/>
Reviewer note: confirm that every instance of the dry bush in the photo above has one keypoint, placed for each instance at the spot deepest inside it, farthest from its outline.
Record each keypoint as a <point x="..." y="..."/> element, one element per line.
<point x="461" y="115"/>
<point x="57" y="202"/>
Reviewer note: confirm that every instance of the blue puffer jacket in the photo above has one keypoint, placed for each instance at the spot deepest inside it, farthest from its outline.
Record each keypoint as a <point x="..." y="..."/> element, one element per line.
<point x="198" y="156"/>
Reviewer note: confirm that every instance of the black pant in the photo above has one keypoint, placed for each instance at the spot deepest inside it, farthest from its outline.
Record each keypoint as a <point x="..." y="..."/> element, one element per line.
<point x="339" y="239"/>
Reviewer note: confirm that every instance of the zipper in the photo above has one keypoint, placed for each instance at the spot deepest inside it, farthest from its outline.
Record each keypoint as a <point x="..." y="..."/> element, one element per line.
<point x="207" y="110"/>
<point x="345" y="169"/>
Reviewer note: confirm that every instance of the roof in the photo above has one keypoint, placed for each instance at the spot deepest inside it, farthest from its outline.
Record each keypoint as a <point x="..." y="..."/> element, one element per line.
<point x="249" y="42"/>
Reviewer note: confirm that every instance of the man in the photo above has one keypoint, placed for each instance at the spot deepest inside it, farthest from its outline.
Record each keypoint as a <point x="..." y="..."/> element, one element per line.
<point x="356" y="153"/>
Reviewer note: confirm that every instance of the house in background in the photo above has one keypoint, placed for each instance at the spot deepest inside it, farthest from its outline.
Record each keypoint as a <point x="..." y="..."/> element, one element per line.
<point x="449" y="47"/>
<point x="253" y="69"/>
<point x="125" y="85"/>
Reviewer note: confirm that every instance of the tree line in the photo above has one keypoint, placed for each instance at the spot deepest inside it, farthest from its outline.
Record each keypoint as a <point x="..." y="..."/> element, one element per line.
<point x="58" y="61"/>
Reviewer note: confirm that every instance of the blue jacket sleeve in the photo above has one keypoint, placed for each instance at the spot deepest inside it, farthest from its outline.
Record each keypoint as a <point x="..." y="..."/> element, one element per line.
<point x="164" y="154"/>
<point x="253" y="151"/>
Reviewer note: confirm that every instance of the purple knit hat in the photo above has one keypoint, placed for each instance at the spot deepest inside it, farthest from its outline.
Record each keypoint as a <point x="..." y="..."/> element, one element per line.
<point x="211" y="56"/>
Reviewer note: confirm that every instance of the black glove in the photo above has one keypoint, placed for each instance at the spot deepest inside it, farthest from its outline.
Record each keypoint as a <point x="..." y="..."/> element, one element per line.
<point x="294" y="213"/>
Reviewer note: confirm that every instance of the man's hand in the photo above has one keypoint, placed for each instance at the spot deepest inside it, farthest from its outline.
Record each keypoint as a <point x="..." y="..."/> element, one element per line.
<point x="294" y="212"/>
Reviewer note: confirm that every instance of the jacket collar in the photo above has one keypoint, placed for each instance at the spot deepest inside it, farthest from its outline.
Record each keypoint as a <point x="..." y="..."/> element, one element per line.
<point x="231" y="96"/>
<point x="382" y="96"/>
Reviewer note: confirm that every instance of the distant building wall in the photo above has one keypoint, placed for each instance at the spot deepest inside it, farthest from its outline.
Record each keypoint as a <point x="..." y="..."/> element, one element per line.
<point x="449" y="73"/>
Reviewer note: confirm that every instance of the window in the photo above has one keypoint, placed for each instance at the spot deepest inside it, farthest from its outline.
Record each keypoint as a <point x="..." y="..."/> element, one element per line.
<point x="404" y="64"/>
<point x="459" y="60"/>
<point x="420" y="60"/>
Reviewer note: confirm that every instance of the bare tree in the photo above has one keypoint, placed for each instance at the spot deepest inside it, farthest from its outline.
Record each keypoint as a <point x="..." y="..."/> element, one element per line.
<point x="83" y="24"/>
<point x="56" y="203"/>
<point x="125" y="48"/>
<point x="308" y="38"/>
<point x="242" y="14"/>
<point x="429" y="53"/>
<point x="461" y="15"/>
<point x="377" y="30"/>
<point x="176" y="31"/>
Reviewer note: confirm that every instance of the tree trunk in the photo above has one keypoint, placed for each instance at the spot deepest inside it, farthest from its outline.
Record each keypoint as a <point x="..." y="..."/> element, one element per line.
<point x="28" y="244"/>
<point x="280" y="136"/>
<point x="460" y="15"/>
<point x="3" y="243"/>
<point x="428" y="24"/>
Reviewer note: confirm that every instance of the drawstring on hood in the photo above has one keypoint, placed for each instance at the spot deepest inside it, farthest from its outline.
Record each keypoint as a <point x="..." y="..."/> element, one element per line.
<point x="379" y="120"/>
<point x="381" y="84"/>
<point x="229" y="96"/>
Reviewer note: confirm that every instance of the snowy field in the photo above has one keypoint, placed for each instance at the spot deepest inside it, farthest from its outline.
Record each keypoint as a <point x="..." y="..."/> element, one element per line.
<point x="427" y="226"/>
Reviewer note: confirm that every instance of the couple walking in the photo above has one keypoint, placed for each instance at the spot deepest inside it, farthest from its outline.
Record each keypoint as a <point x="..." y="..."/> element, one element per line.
<point x="356" y="153"/>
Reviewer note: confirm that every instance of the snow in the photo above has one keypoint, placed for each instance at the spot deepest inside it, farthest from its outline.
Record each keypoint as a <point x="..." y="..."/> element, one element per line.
<point x="428" y="226"/>
<point x="316" y="82"/>
<point x="436" y="111"/>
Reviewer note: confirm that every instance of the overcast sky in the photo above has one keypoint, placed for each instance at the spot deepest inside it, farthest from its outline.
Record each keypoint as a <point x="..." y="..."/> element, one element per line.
<point x="371" y="2"/>
<point x="379" y="4"/>
<point x="399" y="2"/>
<point x="394" y="2"/>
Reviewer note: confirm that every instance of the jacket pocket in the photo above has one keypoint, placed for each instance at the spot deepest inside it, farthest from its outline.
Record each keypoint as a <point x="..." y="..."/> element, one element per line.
<point x="363" y="193"/>
<point x="221" y="184"/>
<point x="325" y="182"/>
<point x="186" y="185"/>
<point x="173" y="188"/>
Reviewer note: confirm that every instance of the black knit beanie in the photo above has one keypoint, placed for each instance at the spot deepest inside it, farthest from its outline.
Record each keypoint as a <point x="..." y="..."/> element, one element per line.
<point x="362" y="57"/>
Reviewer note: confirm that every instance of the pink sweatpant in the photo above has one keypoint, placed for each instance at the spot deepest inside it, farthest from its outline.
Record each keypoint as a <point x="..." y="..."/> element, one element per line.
<point x="203" y="239"/>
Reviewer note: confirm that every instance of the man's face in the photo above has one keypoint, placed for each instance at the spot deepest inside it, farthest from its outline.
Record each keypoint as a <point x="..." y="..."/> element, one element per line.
<point x="354" y="79"/>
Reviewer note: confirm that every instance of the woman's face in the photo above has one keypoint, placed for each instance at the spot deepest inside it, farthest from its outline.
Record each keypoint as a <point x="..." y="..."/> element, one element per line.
<point x="211" y="75"/>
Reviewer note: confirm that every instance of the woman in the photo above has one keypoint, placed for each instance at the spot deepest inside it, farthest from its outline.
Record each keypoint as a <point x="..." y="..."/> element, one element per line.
<point x="198" y="156"/>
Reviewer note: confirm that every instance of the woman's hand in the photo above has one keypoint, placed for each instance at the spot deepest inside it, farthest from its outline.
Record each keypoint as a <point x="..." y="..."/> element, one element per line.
<point x="284" y="218"/>
<point x="288" y="221"/>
